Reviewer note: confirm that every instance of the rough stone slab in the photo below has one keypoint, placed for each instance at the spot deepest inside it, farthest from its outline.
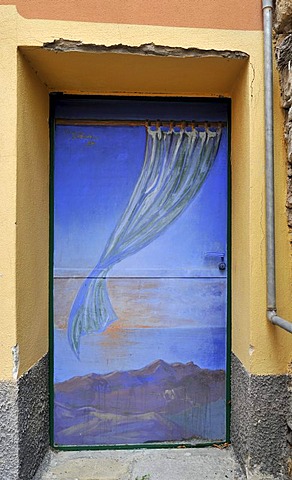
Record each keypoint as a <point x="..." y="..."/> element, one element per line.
<point x="146" y="464"/>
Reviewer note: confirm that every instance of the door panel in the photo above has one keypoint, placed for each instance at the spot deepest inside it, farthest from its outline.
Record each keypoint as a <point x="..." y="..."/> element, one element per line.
<point x="157" y="373"/>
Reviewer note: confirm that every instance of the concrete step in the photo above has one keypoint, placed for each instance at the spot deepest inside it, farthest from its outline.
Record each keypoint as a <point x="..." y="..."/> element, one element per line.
<point x="146" y="464"/>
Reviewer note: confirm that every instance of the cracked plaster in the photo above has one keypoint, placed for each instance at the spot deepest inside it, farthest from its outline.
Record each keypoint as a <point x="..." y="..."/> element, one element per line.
<point x="62" y="45"/>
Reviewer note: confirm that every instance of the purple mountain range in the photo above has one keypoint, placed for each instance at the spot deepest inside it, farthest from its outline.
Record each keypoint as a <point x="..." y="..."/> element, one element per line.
<point x="160" y="402"/>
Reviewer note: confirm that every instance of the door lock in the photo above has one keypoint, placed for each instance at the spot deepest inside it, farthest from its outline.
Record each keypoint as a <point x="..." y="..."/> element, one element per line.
<point x="222" y="264"/>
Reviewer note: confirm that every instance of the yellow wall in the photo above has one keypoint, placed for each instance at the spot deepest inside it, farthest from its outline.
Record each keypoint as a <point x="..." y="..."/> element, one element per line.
<point x="263" y="348"/>
<point x="240" y="216"/>
<point x="8" y="79"/>
<point x="32" y="235"/>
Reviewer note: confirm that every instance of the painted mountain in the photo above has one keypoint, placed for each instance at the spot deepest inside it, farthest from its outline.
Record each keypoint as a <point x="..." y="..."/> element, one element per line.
<point x="158" y="403"/>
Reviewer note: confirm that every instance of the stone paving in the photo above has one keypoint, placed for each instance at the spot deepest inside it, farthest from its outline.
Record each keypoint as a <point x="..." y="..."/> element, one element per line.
<point x="146" y="464"/>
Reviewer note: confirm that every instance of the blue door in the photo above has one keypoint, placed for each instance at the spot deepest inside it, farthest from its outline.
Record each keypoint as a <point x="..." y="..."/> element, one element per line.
<point x="139" y="271"/>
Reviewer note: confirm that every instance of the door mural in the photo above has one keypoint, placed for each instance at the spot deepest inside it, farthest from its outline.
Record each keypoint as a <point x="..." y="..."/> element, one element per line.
<point x="140" y="222"/>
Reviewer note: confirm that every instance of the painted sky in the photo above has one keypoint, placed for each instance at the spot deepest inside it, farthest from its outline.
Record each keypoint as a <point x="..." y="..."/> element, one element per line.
<point x="96" y="169"/>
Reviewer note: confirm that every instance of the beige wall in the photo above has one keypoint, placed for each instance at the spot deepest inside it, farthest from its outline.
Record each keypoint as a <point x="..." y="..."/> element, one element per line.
<point x="263" y="348"/>
<point x="32" y="234"/>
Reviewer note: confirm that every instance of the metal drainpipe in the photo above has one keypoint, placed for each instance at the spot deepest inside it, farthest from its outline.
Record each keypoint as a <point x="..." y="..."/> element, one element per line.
<point x="269" y="142"/>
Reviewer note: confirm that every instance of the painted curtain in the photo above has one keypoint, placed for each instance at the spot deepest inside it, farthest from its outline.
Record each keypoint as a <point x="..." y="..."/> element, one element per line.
<point x="176" y="164"/>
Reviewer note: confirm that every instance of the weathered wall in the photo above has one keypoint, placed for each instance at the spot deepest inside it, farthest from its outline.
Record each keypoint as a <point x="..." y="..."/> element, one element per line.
<point x="283" y="51"/>
<point x="83" y="71"/>
<point x="24" y="422"/>
<point x="283" y="38"/>
<point x="259" y="423"/>
<point x="33" y="418"/>
<point x="283" y="16"/>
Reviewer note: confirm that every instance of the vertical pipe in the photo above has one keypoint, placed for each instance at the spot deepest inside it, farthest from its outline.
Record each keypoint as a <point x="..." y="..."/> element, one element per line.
<point x="269" y="144"/>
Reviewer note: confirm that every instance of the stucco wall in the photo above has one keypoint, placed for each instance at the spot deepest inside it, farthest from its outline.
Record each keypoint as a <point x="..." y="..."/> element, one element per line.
<point x="253" y="337"/>
<point x="115" y="63"/>
<point x="8" y="79"/>
<point x="32" y="216"/>
<point x="235" y="15"/>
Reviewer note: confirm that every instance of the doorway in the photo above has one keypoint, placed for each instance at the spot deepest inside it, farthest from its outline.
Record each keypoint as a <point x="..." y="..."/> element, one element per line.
<point x="140" y="233"/>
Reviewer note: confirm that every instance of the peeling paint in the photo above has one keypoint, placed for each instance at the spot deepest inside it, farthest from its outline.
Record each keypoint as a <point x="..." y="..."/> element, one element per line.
<point x="15" y="355"/>
<point x="251" y="350"/>
<point x="65" y="46"/>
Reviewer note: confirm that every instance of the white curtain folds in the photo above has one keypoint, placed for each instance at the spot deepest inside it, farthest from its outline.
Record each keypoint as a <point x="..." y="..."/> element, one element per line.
<point x="176" y="164"/>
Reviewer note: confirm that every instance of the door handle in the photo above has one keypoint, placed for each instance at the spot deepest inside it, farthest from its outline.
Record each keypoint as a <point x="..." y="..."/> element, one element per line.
<point x="222" y="263"/>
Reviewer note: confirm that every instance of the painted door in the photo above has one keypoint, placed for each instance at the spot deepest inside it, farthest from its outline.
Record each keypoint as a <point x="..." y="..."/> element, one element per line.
<point x="139" y="272"/>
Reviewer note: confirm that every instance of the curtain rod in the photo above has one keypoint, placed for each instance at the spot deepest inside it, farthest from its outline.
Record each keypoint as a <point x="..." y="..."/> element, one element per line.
<point x="146" y="123"/>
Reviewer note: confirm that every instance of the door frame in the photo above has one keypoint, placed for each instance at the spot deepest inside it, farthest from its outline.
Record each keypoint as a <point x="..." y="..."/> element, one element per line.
<point x="55" y="97"/>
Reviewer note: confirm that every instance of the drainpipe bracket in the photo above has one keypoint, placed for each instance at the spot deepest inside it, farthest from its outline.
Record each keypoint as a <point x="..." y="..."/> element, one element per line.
<point x="268" y="4"/>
